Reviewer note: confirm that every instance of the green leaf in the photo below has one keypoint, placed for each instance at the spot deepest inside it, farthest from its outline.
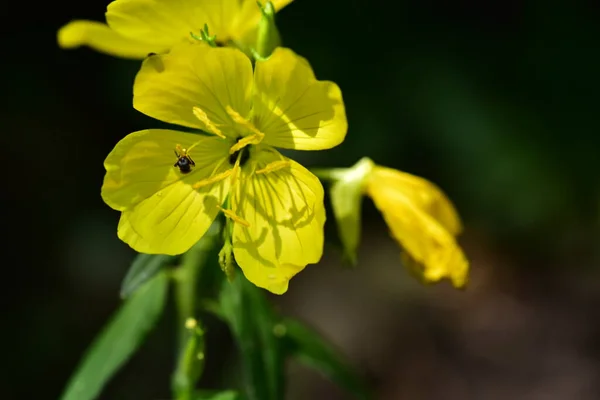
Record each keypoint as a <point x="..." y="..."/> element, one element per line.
<point x="143" y="268"/>
<point x="309" y="348"/>
<point x="252" y="323"/>
<point x="212" y="395"/>
<point x="118" y="340"/>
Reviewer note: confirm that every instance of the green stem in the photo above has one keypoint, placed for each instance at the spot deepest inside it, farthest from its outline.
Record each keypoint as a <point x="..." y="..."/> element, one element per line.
<point x="191" y="362"/>
<point x="185" y="290"/>
<point x="190" y="337"/>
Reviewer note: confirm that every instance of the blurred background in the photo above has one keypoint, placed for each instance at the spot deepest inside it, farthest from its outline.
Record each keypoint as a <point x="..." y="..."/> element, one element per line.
<point x="496" y="102"/>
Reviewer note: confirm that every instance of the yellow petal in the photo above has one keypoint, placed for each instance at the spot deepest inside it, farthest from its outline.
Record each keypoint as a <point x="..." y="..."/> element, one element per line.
<point x="164" y="23"/>
<point x="101" y="38"/>
<point x="162" y="212"/>
<point x="423" y="193"/>
<point x="169" y="87"/>
<point x="285" y="212"/>
<point x="168" y="23"/>
<point x="459" y="275"/>
<point x="423" y="237"/>
<point x="292" y="108"/>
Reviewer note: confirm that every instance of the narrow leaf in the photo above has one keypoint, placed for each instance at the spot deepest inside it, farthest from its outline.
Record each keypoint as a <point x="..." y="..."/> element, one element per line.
<point x="118" y="340"/>
<point x="212" y="395"/>
<point x="311" y="349"/>
<point x="252" y="320"/>
<point x="143" y="268"/>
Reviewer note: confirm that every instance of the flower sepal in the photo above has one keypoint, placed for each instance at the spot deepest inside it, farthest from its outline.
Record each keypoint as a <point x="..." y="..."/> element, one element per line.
<point x="346" y="193"/>
<point x="226" y="258"/>
<point x="205" y="36"/>
<point x="267" y="34"/>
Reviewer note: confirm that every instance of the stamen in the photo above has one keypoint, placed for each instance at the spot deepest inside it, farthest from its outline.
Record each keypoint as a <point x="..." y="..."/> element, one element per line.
<point x="256" y="138"/>
<point x="252" y="139"/>
<point x="238" y="119"/>
<point x="213" y="179"/>
<point x="230" y="214"/>
<point x="274" y="166"/>
<point x="235" y="172"/>
<point x="210" y="126"/>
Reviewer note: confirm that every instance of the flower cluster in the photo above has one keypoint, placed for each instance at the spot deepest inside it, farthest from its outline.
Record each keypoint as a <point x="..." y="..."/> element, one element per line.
<point x="214" y="67"/>
<point x="170" y="185"/>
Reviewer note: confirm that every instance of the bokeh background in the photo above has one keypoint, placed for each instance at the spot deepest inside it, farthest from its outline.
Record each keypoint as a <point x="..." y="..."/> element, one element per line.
<point x="496" y="102"/>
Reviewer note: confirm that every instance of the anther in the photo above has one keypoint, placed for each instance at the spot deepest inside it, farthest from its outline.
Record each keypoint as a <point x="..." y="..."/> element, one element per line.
<point x="211" y="180"/>
<point x="274" y="166"/>
<point x="252" y="139"/>
<point x="230" y="214"/>
<point x="210" y="126"/>
<point x="255" y="138"/>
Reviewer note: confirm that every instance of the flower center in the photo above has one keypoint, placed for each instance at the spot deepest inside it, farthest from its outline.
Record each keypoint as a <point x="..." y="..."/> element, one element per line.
<point x="243" y="154"/>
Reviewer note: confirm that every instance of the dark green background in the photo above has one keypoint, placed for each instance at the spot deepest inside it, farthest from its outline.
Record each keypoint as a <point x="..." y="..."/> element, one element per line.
<point x="496" y="102"/>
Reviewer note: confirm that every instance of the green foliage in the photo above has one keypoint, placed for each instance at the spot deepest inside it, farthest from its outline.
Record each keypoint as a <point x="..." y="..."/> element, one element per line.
<point x="266" y="341"/>
<point x="144" y="267"/>
<point x="119" y="340"/>
<point x="212" y="395"/>
<point x="309" y="348"/>
<point x="191" y="363"/>
<point x="251" y="320"/>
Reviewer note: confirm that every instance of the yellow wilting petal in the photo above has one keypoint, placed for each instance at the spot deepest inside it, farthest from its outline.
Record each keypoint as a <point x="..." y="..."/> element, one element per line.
<point x="292" y="108"/>
<point x="285" y="212"/>
<point x="422" y="192"/>
<point x="162" y="211"/>
<point x="101" y="38"/>
<point x="195" y="75"/>
<point x="425" y="239"/>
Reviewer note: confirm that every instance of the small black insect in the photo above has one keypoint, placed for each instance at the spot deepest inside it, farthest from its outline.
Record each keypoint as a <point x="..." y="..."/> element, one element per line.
<point x="184" y="161"/>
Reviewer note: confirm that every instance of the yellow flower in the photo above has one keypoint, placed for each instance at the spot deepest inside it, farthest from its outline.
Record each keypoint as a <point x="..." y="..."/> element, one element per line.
<point x="168" y="200"/>
<point x="135" y="28"/>
<point x="423" y="221"/>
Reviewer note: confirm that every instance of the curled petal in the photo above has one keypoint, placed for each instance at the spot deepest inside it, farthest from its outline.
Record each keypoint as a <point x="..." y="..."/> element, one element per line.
<point x="168" y="23"/>
<point x="283" y="206"/>
<point x="412" y="217"/>
<point x="292" y="108"/>
<point x="103" y="39"/>
<point x="423" y="193"/>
